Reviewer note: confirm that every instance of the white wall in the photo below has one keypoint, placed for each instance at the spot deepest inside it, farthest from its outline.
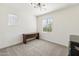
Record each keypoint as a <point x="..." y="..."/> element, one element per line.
<point x="10" y="35"/>
<point x="66" y="22"/>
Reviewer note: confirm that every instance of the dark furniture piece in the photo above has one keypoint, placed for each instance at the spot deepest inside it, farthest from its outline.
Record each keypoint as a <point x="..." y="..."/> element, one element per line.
<point x="73" y="51"/>
<point x="26" y="37"/>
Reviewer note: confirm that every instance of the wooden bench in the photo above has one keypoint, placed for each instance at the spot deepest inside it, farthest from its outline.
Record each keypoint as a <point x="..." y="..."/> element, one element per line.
<point x="26" y="37"/>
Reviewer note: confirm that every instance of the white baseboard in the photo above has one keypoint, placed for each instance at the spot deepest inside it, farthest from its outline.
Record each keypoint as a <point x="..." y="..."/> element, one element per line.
<point x="6" y="46"/>
<point x="55" y="42"/>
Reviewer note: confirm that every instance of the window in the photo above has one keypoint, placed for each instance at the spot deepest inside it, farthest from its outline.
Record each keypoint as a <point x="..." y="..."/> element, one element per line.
<point x="12" y="19"/>
<point x="47" y="24"/>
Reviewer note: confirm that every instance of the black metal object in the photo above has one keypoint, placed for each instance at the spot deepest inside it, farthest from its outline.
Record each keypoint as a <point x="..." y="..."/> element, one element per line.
<point x="73" y="51"/>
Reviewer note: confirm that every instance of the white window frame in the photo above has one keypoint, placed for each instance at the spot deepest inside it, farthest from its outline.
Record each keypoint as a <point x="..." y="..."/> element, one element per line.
<point x="48" y="18"/>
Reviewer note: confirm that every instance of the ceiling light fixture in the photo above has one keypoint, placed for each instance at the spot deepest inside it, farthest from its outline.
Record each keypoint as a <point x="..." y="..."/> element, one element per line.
<point x="42" y="6"/>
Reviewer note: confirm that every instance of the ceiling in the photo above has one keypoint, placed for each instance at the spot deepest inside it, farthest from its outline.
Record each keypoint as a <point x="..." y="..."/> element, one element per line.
<point x="49" y="7"/>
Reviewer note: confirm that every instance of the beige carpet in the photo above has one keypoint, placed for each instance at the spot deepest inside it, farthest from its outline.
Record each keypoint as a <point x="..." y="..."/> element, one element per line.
<point x="35" y="48"/>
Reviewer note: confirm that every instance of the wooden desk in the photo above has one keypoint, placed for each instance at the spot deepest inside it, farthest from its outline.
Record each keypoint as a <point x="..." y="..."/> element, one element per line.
<point x="28" y="36"/>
